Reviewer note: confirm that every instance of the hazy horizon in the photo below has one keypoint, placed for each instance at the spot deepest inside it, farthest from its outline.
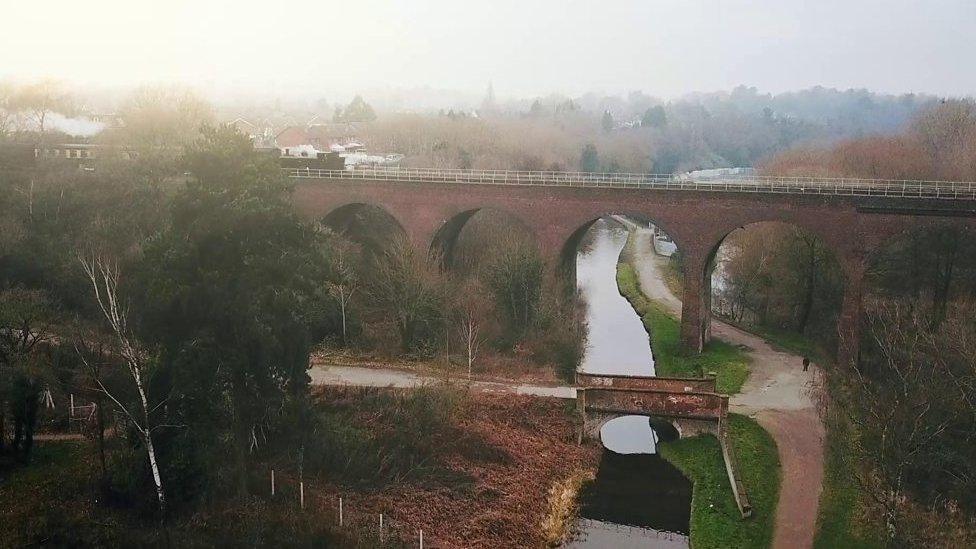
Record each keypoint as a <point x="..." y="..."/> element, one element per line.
<point x="333" y="50"/>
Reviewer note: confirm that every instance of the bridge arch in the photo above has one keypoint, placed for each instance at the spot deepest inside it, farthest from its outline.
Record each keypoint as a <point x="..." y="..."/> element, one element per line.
<point x="667" y="429"/>
<point x="565" y="257"/>
<point x="814" y="267"/>
<point x="370" y="225"/>
<point x="477" y="228"/>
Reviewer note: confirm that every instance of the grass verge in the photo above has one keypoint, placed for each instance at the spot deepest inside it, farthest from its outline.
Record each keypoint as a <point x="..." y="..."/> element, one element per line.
<point x="715" y="519"/>
<point x="840" y="518"/>
<point x="730" y="363"/>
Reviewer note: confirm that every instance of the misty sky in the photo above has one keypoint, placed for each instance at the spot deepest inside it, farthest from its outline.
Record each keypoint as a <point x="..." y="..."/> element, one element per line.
<point x="527" y="47"/>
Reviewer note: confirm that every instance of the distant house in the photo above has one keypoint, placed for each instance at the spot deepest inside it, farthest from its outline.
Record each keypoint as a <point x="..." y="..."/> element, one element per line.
<point x="26" y="155"/>
<point x="308" y="157"/>
<point x="326" y="133"/>
<point x="245" y="127"/>
<point x="67" y="151"/>
<point x="292" y="136"/>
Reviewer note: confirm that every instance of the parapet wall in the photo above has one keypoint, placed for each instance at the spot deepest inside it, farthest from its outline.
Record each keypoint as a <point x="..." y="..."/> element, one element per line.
<point x="667" y="404"/>
<point x="670" y="384"/>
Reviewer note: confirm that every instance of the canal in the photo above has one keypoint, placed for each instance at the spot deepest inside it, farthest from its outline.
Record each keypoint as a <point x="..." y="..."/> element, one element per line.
<point x="637" y="499"/>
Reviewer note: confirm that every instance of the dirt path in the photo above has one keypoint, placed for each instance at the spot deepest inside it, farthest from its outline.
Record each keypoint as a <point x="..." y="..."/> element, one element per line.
<point x="777" y="394"/>
<point x="332" y="374"/>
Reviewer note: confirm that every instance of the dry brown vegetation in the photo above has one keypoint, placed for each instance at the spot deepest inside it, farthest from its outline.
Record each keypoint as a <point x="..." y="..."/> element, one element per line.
<point x="940" y="143"/>
<point x="513" y="450"/>
<point x="507" y="143"/>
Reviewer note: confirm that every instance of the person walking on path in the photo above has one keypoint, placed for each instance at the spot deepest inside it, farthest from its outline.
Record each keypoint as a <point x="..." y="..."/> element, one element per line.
<point x="806" y="364"/>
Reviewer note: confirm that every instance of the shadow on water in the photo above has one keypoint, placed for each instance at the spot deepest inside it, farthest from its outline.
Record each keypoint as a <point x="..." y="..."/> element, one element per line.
<point x="637" y="499"/>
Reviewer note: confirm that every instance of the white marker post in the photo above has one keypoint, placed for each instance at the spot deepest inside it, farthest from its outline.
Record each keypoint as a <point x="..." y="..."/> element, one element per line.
<point x="340" y="511"/>
<point x="301" y="493"/>
<point x="421" y="539"/>
<point x="272" y="483"/>
<point x="381" y="527"/>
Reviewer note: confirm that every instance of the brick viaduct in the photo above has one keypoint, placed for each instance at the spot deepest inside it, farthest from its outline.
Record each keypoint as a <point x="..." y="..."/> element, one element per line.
<point x="854" y="227"/>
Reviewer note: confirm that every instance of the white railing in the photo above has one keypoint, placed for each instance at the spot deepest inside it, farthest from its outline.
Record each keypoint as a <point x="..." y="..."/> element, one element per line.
<point x="947" y="190"/>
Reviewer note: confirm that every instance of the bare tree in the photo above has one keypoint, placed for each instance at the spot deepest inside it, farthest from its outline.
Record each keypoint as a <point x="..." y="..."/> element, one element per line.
<point x="41" y="99"/>
<point x="470" y="322"/>
<point x="6" y="108"/>
<point x="104" y="277"/>
<point x="913" y="397"/>
<point x="345" y="286"/>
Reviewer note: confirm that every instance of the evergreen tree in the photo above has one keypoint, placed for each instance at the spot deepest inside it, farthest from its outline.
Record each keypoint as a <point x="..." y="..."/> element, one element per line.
<point x="589" y="161"/>
<point x="654" y="117"/>
<point x="358" y="110"/>
<point x="607" y="121"/>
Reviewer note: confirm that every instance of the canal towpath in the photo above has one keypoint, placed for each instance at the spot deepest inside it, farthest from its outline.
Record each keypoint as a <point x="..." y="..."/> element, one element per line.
<point x="778" y="394"/>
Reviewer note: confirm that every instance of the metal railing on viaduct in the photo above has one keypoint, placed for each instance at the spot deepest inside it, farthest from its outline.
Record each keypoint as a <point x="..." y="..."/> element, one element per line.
<point x="944" y="190"/>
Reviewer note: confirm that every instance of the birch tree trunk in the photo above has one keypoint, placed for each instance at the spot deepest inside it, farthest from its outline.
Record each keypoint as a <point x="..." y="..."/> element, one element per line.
<point x="104" y="278"/>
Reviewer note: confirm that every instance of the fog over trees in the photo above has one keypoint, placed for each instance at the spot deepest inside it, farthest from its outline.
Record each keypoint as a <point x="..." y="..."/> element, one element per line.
<point x="175" y="285"/>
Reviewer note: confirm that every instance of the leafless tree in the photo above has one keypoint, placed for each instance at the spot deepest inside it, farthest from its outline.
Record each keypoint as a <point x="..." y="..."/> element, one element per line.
<point x="470" y="317"/>
<point x="913" y="396"/>
<point x="6" y="108"/>
<point x="345" y="286"/>
<point x="40" y="99"/>
<point x="104" y="278"/>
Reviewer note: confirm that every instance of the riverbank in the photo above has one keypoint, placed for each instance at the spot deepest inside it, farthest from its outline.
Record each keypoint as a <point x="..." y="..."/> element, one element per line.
<point x="778" y="394"/>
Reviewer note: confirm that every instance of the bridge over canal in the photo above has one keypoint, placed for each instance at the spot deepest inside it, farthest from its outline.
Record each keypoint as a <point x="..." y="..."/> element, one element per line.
<point x="854" y="217"/>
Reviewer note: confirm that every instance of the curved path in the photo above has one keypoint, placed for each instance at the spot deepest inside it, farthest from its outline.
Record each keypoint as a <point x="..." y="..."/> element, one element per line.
<point x="777" y="394"/>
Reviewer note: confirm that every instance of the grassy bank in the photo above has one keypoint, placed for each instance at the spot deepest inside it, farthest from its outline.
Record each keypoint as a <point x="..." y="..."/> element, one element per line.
<point x="715" y="519"/>
<point x="729" y="363"/>
<point x="842" y="518"/>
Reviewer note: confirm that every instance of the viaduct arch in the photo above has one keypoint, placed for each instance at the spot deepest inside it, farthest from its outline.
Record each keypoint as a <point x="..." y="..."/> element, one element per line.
<point x="698" y="218"/>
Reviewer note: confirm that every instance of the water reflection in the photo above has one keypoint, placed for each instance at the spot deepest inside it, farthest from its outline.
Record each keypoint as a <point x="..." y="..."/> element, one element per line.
<point x="629" y="435"/>
<point x="617" y="342"/>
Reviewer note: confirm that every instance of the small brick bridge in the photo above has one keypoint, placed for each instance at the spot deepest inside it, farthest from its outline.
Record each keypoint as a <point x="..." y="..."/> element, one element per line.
<point x="692" y="405"/>
<point x="854" y="217"/>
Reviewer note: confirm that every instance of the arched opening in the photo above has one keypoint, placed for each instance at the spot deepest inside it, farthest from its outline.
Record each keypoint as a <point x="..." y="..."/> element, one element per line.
<point x="620" y="265"/>
<point x="472" y="238"/>
<point x="778" y="280"/>
<point x="367" y="225"/>
<point x="502" y="296"/>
